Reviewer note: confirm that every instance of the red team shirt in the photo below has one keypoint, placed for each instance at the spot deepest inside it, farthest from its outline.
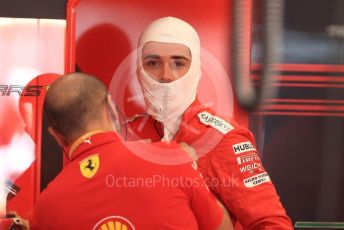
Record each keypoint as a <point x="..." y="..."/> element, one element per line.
<point x="105" y="186"/>
<point x="230" y="163"/>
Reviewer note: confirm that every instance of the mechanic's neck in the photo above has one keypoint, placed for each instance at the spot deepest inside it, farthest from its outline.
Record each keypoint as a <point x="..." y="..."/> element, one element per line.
<point x="90" y="130"/>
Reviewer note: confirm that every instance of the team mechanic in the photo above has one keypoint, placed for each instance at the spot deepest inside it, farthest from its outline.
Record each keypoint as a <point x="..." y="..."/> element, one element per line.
<point x="85" y="195"/>
<point x="169" y="69"/>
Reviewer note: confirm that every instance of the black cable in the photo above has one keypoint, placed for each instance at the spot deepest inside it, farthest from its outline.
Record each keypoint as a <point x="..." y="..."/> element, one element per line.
<point x="246" y="94"/>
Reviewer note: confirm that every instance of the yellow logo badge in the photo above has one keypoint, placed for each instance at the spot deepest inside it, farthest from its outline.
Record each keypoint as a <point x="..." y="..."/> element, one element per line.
<point x="114" y="223"/>
<point x="89" y="166"/>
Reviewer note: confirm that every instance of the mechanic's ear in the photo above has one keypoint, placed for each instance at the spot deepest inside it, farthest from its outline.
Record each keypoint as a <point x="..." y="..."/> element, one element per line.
<point x="61" y="140"/>
<point x="114" y="118"/>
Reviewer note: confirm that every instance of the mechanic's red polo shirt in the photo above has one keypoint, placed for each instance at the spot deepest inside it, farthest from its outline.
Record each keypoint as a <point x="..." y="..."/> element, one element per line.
<point x="105" y="186"/>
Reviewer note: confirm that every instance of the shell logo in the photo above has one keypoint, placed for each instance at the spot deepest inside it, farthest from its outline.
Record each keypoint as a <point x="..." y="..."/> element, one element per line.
<point x="114" y="223"/>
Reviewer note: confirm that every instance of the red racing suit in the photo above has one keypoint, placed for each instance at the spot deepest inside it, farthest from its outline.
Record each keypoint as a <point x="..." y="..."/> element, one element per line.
<point x="106" y="186"/>
<point x="229" y="161"/>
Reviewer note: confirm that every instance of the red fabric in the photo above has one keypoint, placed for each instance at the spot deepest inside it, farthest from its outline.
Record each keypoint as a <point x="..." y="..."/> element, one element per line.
<point x="124" y="189"/>
<point x="255" y="207"/>
<point x="6" y="224"/>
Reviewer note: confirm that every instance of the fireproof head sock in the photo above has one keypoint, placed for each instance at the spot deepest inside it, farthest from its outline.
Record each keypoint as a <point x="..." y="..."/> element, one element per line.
<point x="166" y="102"/>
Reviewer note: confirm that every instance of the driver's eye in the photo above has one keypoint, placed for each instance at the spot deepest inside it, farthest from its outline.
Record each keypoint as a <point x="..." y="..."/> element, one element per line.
<point x="178" y="64"/>
<point x="152" y="63"/>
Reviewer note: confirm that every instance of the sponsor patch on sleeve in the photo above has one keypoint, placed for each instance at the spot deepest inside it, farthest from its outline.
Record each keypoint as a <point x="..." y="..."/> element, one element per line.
<point x="256" y="180"/>
<point x="251" y="167"/>
<point x="215" y="122"/>
<point x="243" y="147"/>
<point x="249" y="158"/>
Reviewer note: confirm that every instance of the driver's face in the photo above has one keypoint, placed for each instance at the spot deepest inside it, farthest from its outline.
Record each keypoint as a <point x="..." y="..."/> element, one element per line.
<point x="166" y="62"/>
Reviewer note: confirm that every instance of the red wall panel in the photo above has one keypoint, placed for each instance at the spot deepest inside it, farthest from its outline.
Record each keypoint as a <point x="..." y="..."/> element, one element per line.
<point x="106" y="32"/>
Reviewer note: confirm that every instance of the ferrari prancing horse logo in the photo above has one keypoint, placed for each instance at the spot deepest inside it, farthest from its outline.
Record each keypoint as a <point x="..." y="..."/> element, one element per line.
<point x="89" y="166"/>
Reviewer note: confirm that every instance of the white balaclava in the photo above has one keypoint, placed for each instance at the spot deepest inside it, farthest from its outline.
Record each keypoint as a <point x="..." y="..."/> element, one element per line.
<point x="166" y="102"/>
